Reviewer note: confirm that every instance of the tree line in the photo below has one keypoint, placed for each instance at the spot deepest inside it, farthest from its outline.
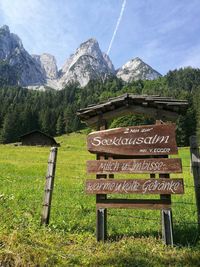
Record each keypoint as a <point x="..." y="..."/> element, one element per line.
<point x="54" y="112"/>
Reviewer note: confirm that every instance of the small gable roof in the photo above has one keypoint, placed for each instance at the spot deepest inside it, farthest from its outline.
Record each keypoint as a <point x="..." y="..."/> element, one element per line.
<point x="37" y="131"/>
<point x="164" y="108"/>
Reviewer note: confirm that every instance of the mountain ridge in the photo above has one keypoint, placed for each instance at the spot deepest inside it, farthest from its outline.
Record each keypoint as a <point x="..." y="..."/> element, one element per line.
<point x="87" y="63"/>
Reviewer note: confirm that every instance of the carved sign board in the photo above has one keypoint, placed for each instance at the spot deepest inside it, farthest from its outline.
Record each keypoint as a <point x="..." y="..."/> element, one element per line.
<point x="134" y="140"/>
<point x="135" y="186"/>
<point x="154" y="165"/>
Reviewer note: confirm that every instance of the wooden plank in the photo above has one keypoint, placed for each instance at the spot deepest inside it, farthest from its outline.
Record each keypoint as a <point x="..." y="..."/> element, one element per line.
<point x="135" y="186"/>
<point x="153" y="165"/>
<point x="134" y="140"/>
<point x="111" y="174"/>
<point x="153" y="204"/>
<point x="195" y="160"/>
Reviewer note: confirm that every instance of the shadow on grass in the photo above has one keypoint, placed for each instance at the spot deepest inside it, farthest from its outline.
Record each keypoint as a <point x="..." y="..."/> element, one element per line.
<point x="117" y="237"/>
<point x="127" y="261"/>
<point x="186" y="235"/>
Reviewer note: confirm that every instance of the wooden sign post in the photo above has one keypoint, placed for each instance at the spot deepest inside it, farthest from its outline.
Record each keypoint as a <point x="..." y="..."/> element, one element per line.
<point x="120" y="146"/>
<point x="101" y="213"/>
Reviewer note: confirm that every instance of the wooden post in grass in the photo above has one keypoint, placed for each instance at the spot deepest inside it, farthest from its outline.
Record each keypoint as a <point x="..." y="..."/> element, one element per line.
<point x="195" y="162"/>
<point x="166" y="214"/>
<point x="101" y="213"/>
<point x="49" y="186"/>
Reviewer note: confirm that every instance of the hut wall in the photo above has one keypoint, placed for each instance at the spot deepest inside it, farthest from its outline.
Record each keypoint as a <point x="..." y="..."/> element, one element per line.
<point x="37" y="138"/>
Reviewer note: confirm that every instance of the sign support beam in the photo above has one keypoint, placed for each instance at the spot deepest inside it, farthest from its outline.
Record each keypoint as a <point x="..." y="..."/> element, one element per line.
<point x="101" y="213"/>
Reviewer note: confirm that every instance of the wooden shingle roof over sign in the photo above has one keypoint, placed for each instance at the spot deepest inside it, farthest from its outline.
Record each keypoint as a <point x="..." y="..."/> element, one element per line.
<point x="163" y="108"/>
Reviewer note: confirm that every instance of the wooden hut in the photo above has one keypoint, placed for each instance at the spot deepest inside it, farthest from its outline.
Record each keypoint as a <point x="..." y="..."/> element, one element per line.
<point x="37" y="138"/>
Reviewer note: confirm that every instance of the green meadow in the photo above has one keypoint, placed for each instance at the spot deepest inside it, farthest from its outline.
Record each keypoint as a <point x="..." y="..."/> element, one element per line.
<point x="134" y="236"/>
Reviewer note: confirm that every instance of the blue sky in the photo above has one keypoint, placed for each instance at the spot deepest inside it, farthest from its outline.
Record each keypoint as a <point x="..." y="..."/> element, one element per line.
<point x="164" y="33"/>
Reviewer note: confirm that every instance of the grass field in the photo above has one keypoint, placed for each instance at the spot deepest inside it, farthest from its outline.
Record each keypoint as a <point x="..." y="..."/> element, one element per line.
<point x="69" y="240"/>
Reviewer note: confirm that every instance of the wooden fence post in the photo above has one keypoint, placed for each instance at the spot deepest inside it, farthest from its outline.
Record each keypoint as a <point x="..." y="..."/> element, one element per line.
<point x="49" y="186"/>
<point x="195" y="162"/>
<point x="101" y="213"/>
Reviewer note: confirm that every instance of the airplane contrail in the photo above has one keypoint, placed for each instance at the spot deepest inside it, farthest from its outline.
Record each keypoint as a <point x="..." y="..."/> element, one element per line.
<point x="117" y="25"/>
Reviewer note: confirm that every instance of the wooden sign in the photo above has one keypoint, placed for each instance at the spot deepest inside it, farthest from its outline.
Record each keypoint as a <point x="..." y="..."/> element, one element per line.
<point x="154" y="165"/>
<point x="135" y="140"/>
<point x="135" y="186"/>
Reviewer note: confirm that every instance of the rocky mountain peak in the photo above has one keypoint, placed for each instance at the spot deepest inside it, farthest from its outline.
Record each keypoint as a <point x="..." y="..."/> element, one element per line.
<point x="136" y="69"/>
<point x="5" y="29"/>
<point x="13" y="52"/>
<point x="9" y="42"/>
<point x="86" y="64"/>
<point x="89" y="45"/>
<point x="137" y="60"/>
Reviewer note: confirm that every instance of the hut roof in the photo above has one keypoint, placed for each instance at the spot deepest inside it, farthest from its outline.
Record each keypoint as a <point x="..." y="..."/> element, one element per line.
<point x="164" y="108"/>
<point x="37" y="131"/>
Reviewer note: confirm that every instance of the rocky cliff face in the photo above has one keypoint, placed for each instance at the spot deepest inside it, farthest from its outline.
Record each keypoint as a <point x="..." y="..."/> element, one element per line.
<point x="87" y="63"/>
<point x="47" y="63"/>
<point x="136" y="69"/>
<point x="109" y="62"/>
<point x="12" y="51"/>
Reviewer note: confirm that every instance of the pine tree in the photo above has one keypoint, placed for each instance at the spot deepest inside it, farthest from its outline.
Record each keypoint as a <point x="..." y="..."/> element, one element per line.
<point x="196" y="100"/>
<point x="68" y="119"/>
<point x="45" y="121"/>
<point x="10" y="129"/>
<point x="60" y="125"/>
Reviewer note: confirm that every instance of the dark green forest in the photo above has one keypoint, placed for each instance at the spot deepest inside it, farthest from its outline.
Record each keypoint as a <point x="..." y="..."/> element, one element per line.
<point x="54" y="112"/>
